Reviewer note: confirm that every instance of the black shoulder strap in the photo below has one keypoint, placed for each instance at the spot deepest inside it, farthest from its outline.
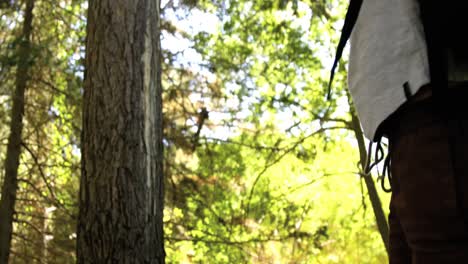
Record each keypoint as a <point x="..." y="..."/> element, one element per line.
<point x="437" y="41"/>
<point x="444" y="25"/>
<point x="350" y="21"/>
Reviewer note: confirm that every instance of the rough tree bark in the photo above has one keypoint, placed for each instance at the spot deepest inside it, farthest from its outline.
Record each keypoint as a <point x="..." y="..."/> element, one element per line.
<point x="380" y="217"/>
<point x="10" y="183"/>
<point x="121" y="193"/>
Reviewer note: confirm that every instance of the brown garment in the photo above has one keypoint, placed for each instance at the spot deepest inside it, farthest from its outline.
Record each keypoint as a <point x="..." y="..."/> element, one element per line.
<point x="429" y="168"/>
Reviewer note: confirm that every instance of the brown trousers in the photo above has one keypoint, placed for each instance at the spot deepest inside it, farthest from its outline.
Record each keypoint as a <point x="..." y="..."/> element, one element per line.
<point x="429" y="167"/>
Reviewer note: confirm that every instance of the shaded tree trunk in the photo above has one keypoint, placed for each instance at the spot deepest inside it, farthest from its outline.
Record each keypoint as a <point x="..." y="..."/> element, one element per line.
<point x="379" y="214"/>
<point x="10" y="183"/>
<point x="121" y="192"/>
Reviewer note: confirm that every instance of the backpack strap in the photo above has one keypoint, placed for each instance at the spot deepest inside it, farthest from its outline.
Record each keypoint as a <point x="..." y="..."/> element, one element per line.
<point x="443" y="25"/>
<point x="435" y="24"/>
<point x="350" y="21"/>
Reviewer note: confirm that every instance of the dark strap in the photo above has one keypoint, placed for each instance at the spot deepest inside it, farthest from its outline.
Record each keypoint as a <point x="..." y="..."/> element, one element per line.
<point x="443" y="25"/>
<point x="435" y="25"/>
<point x="350" y="21"/>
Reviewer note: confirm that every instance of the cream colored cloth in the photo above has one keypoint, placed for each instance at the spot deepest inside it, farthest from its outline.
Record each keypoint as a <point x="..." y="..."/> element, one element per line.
<point x="387" y="50"/>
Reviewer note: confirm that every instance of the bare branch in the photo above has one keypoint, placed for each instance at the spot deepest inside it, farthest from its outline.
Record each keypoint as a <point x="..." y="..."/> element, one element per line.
<point x="269" y="163"/>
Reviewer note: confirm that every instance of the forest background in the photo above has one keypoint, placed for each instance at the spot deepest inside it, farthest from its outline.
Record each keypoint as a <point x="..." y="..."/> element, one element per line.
<point x="260" y="167"/>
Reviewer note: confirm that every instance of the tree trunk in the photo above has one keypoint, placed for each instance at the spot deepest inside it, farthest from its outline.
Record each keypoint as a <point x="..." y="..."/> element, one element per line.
<point x="121" y="193"/>
<point x="380" y="217"/>
<point x="10" y="183"/>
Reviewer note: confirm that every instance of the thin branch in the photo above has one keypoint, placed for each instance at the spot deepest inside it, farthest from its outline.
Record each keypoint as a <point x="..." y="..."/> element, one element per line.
<point x="50" y="250"/>
<point x="26" y="257"/>
<point x="228" y="141"/>
<point x="300" y="186"/>
<point x="241" y="242"/>
<point x="41" y="172"/>
<point x="35" y="228"/>
<point x="41" y="217"/>
<point x="47" y="199"/>
<point x="285" y="152"/>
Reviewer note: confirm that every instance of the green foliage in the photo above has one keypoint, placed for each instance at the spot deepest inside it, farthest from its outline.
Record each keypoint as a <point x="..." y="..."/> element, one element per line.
<point x="260" y="168"/>
<point x="263" y="185"/>
<point x="44" y="230"/>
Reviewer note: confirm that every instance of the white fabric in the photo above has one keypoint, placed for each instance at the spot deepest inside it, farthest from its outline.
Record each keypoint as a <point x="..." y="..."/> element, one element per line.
<point x="387" y="50"/>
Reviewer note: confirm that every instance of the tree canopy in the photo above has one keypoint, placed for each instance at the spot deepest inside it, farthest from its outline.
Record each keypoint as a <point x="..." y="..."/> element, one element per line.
<point x="259" y="166"/>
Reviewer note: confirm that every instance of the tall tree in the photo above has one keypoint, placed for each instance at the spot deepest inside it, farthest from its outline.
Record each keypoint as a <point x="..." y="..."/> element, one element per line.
<point x="121" y="193"/>
<point x="46" y="208"/>
<point x="10" y="184"/>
